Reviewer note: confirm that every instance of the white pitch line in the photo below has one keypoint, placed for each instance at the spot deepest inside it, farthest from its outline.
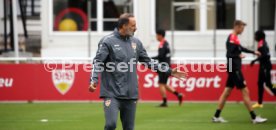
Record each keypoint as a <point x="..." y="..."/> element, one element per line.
<point x="186" y="121"/>
<point x="40" y="120"/>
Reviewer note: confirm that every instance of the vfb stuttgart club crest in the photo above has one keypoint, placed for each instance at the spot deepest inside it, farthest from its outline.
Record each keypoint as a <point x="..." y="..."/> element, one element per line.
<point x="134" y="46"/>
<point x="63" y="80"/>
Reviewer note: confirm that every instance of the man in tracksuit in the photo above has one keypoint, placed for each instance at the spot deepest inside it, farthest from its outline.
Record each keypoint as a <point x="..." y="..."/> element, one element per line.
<point x="235" y="77"/>
<point x="265" y="68"/>
<point x="115" y="61"/>
<point x="164" y="56"/>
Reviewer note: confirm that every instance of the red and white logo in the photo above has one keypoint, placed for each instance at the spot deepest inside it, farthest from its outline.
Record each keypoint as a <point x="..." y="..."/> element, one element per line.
<point x="107" y="103"/>
<point x="63" y="80"/>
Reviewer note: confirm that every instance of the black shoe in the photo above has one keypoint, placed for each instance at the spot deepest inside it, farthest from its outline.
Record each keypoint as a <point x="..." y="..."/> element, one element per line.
<point x="163" y="105"/>
<point x="180" y="99"/>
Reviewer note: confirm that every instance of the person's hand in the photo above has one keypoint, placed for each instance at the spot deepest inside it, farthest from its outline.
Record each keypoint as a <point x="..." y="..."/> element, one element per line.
<point x="242" y="56"/>
<point x="92" y="87"/>
<point x="257" y="53"/>
<point x="179" y="74"/>
<point x="252" y="63"/>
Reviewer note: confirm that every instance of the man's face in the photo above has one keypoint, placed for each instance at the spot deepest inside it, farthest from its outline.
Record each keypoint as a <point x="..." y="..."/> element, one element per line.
<point x="239" y="29"/>
<point x="158" y="37"/>
<point x="130" y="28"/>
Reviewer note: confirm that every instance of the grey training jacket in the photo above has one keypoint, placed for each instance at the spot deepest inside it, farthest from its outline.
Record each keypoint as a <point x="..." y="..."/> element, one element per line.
<point x="114" y="50"/>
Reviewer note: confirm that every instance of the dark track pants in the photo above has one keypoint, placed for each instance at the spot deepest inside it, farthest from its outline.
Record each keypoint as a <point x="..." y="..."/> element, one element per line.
<point x="127" y="109"/>
<point x="264" y="77"/>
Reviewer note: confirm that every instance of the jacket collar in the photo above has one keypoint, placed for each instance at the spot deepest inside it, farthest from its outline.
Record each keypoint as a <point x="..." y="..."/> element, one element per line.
<point x="117" y="34"/>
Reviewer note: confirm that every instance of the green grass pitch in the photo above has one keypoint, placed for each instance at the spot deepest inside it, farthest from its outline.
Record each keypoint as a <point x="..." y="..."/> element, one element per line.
<point x="89" y="116"/>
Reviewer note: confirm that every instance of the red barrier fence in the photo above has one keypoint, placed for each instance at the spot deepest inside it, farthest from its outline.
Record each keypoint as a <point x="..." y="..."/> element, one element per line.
<point x="28" y="82"/>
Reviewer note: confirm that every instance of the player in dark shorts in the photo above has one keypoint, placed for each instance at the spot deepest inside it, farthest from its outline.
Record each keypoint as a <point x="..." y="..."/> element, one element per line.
<point x="264" y="70"/>
<point x="235" y="77"/>
<point x="164" y="56"/>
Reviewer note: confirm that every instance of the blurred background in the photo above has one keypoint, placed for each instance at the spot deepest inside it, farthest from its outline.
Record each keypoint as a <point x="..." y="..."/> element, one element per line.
<point x="73" y="28"/>
<point x="39" y="31"/>
<point x="47" y="46"/>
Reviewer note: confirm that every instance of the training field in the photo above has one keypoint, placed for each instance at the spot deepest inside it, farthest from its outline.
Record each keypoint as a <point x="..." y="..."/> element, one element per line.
<point x="89" y="116"/>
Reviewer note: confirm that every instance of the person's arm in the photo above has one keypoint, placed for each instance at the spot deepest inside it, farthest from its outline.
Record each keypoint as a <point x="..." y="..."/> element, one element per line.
<point x="263" y="50"/>
<point x="98" y="62"/>
<point x="161" y="52"/>
<point x="253" y="61"/>
<point x="155" y="57"/>
<point x="243" y="49"/>
<point x="143" y="57"/>
<point x="250" y="51"/>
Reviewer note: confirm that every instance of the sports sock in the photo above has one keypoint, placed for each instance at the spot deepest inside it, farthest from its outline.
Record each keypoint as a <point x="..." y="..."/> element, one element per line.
<point x="253" y="115"/>
<point x="165" y="100"/>
<point x="175" y="93"/>
<point x="217" y="114"/>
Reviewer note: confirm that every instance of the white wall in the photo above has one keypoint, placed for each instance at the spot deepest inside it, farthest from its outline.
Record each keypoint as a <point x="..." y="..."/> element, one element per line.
<point x="193" y="44"/>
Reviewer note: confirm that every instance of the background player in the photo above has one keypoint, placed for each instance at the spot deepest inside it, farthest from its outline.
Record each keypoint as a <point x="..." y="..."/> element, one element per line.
<point x="164" y="56"/>
<point x="235" y="76"/>
<point x="265" y="68"/>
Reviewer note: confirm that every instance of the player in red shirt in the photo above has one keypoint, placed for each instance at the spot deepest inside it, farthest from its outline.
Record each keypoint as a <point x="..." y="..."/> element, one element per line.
<point x="235" y="77"/>
<point x="164" y="56"/>
<point x="264" y="76"/>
